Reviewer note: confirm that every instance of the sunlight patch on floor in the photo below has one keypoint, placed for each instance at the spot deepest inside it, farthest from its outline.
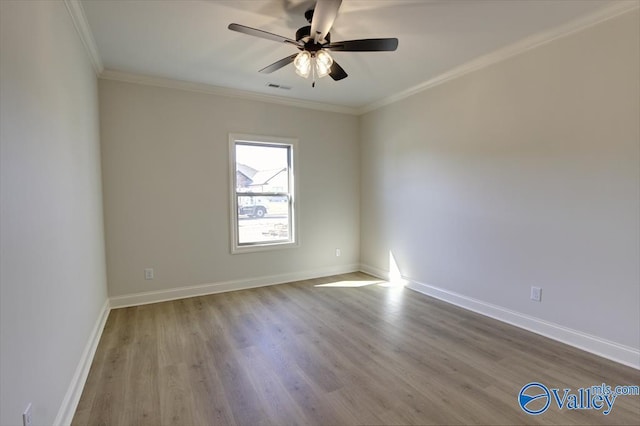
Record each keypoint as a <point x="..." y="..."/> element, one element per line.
<point x="362" y="283"/>
<point x="393" y="285"/>
<point x="395" y="282"/>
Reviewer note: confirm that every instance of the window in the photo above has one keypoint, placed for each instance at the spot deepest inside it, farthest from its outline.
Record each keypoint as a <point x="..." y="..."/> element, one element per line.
<point x="262" y="192"/>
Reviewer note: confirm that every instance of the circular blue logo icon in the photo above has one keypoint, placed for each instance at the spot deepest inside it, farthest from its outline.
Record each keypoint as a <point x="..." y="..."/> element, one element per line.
<point x="534" y="398"/>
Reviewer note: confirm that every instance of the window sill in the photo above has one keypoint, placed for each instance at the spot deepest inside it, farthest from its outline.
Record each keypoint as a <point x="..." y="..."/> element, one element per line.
<point x="254" y="248"/>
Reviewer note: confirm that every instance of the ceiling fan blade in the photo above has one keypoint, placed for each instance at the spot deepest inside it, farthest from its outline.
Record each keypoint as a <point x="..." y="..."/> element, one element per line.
<point x="262" y="34"/>
<point x="279" y="64"/>
<point x="337" y="73"/>
<point x="365" y="45"/>
<point x="324" y="15"/>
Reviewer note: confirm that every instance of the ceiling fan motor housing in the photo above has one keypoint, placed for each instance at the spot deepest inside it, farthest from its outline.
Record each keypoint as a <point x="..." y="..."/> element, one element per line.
<point x="306" y="32"/>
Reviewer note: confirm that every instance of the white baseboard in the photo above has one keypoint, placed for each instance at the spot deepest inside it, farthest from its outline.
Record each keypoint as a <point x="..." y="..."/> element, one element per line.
<point x="74" y="392"/>
<point x="596" y="345"/>
<point x="376" y="272"/>
<point x="204" y="289"/>
<point x="607" y="349"/>
<point x="593" y="344"/>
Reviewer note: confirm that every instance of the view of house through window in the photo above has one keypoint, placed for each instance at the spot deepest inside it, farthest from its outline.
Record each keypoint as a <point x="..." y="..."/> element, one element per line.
<point x="263" y="193"/>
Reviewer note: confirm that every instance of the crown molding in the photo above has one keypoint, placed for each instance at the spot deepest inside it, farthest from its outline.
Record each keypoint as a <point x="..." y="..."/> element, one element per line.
<point x="76" y="11"/>
<point x="221" y="91"/>
<point x="603" y="14"/>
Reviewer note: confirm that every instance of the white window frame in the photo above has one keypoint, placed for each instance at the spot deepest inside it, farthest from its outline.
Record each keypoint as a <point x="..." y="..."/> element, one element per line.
<point x="234" y="138"/>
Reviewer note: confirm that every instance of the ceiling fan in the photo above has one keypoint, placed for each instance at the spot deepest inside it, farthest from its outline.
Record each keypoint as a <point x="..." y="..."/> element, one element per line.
<point x="314" y="43"/>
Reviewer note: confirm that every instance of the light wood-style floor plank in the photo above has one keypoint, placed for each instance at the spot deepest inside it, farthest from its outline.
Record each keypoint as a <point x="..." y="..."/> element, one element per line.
<point x="340" y="350"/>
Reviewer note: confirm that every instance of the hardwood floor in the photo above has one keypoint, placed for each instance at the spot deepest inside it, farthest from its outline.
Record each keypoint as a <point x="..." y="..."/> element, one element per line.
<point x="340" y="350"/>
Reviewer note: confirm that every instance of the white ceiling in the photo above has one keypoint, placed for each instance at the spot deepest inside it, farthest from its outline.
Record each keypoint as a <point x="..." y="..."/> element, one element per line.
<point x="188" y="40"/>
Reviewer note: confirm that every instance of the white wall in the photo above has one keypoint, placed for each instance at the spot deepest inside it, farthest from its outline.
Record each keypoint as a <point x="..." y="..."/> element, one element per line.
<point x="52" y="279"/>
<point x="166" y="187"/>
<point x="523" y="173"/>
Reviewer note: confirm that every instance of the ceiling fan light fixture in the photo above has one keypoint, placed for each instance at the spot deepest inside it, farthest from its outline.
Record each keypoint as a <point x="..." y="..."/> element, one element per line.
<point x="323" y="63"/>
<point x="313" y="59"/>
<point x="302" y="62"/>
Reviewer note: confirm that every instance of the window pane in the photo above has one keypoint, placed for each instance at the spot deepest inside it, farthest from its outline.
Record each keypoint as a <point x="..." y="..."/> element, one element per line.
<point x="263" y="219"/>
<point x="264" y="204"/>
<point x="262" y="168"/>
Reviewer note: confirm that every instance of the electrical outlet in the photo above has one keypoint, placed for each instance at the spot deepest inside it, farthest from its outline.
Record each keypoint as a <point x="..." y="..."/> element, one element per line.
<point x="26" y="416"/>
<point x="536" y="294"/>
<point x="148" y="274"/>
<point x="338" y="252"/>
